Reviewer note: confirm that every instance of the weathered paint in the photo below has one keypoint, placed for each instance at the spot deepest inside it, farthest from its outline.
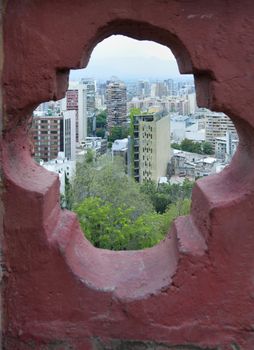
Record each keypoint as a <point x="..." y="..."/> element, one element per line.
<point x="196" y="288"/>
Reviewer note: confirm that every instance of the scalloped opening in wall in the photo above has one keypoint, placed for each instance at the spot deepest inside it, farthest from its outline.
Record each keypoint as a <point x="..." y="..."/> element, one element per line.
<point x="128" y="142"/>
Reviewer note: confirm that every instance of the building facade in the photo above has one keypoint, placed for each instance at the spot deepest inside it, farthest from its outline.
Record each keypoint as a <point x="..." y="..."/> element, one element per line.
<point x="69" y="132"/>
<point x="90" y="95"/>
<point x="217" y="125"/>
<point x="47" y="134"/>
<point x="76" y="99"/>
<point x="151" y="147"/>
<point x="116" y="102"/>
<point x="225" y="147"/>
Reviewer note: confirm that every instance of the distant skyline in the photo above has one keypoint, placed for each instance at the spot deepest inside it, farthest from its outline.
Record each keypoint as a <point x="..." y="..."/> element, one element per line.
<point x="130" y="59"/>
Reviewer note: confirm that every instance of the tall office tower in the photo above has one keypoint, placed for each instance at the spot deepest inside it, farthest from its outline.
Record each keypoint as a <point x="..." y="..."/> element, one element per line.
<point x="217" y="124"/>
<point x="192" y="103"/>
<point x="170" y="86"/>
<point x="161" y="89"/>
<point x="90" y="104"/>
<point x="101" y="88"/>
<point x="90" y="95"/>
<point x="158" y="89"/>
<point x="47" y="133"/>
<point x="116" y="102"/>
<point x="151" y="147"/>
<point x="76" y="99"/>
<point x="183" y="106"/>
<point x="70" y="103"/>
<point x="143" y="89"/>
<point x="69" y="134"/>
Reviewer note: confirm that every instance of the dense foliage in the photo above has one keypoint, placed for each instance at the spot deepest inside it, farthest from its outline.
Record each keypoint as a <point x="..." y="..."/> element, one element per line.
<point x="165" y="194"/>
<point x="107" y="180"/>
<point x="117" y="213"/>
<point x="101" y="122"/>
<point x="194" y="147"/>
<point x="110" y="227"/>
<point x="113" y="227"/>
<point x="117" y="133"/>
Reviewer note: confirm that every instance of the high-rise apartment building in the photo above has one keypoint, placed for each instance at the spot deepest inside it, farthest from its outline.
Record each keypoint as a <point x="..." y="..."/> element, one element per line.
<point x="217" y="124"/>
<point x="151" y="147"/>
<point x="90" y="104"/>
<point x="90" y="95"/>
<point x="76" y="99"/>
<point x="170" y="87"/>
<point x="143" y="89"/>
<point x="69" y="134"/>
<point x="116" y="102"/>
<point x="158" y="89"/>
<point x="54" y="134"/>
<point x="47" y="133"/>
<point x="70" y="103"/>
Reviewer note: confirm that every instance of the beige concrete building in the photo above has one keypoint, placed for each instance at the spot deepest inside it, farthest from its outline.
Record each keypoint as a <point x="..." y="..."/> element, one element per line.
<point x="217" y="124"/>
<point x="151" y="147"/>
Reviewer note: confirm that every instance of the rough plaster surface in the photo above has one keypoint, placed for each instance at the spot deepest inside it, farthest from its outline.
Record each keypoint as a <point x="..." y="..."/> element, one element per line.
<point x="140" y="345"/>
<point x="196" y="287"/>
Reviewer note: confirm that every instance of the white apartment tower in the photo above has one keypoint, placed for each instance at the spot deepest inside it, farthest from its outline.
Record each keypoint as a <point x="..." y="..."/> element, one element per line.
<point x="76" y="99"/>
<point x="90" y="95"/>
<point x="69" y="131"/>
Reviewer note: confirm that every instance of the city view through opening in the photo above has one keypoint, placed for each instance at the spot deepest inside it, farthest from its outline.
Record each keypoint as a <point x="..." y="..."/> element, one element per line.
<point x="128" y="142"/>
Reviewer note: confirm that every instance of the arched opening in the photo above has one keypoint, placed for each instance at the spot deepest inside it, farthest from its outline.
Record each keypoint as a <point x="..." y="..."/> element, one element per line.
<point x="129" y="115"/>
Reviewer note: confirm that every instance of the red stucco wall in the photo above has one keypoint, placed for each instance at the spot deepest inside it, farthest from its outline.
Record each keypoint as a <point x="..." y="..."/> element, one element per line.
<point x="195" y="290"/>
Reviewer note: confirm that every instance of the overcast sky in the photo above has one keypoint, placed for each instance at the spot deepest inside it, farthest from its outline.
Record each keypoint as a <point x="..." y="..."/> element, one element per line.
<point x="127" y="58"/>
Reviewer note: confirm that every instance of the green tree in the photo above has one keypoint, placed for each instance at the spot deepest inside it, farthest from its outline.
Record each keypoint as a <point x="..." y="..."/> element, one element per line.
<point x="83" y="181"/>
<point x="207" y="148"/>
<point x="175" y="145"/>
<point x="180" y="208"/>
<point x="101" y="119"/>
<point x="68" y="198"/>
<point x="118" y="132"/>
<point x="103" y="224"/>
<point x="113" y="185"/>
<point x="100" y="132"/>
<point x="89" y="126"/>
<point x="115" y="212"/>
<point x="163" y="195"/>
<point x="194" y="147"/>
<point x="89" y="156"/>
<point x="147" y="230"/>
<point x="101" y="123"/>
<point x="110" y="227"/>
<point x="107" y="180"/>
<point x="191" y="146"/>
<point x="159" y="198"/>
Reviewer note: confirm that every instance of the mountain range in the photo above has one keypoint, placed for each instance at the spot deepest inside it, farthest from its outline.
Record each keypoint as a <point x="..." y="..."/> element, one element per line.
<point x="129" y="68"/>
